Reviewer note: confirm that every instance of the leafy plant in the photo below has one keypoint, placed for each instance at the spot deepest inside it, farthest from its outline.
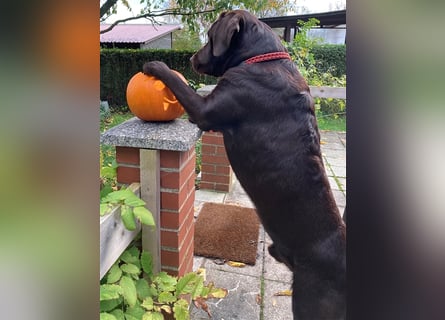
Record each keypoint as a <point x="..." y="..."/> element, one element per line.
<point x="130" y="290"/>
<point x="301" y="50"/>
<point x="132" y="207"/>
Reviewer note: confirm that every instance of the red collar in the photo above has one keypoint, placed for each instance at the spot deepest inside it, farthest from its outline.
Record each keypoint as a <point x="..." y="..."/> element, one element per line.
<point x="268" y="57"/>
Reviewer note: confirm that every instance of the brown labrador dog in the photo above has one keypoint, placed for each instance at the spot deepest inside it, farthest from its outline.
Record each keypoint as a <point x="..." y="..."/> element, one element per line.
<point x="264" y="109"/>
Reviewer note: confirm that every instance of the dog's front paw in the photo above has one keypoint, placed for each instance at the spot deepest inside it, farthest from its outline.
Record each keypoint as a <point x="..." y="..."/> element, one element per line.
<point x="155" y="68"/>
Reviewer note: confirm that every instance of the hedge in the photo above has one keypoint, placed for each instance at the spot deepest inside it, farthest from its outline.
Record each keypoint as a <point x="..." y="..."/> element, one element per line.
<point x="329" y="56"/>
<point x="117" y="66"/>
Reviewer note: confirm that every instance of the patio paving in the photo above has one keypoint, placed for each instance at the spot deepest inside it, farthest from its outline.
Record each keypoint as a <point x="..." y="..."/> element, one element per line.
<point x="253" y="289"/>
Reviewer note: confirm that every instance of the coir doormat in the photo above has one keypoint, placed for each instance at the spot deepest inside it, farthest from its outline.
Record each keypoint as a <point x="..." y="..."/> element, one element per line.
<point x="228" y="232"/>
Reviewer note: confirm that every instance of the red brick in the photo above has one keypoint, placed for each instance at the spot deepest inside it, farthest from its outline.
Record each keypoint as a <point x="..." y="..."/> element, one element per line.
<point x="170" y="258"/>
<point x="215" y="139"/>
<point x="170" y="159"/>
<point x="222" y="169"/>
<point x="209" y="159"/>
<point x="222" y="187"/>
<point x="207" y="185"/>
<point x="209" y="168"/>
<point x="208" y="149"/>
<point x="215" y="178"/>
<point x="221" y="150"/>
<point x="128" y="174"/>
<point x="127" y="155"/>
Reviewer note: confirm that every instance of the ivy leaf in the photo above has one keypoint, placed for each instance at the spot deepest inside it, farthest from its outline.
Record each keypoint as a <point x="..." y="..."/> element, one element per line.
<point x="110" y="291"/>
<point x="166" y="297"/>
<point x="107" y="316"/>
<point x="147" y="263"/>
<point x="114" y="274"/>
<point x="130" y="269"/>
<point x="143" y="289"/>
<point x="129" y="290"/>
<point x="166" y="308"/>
<point x="128" y="217"/>
<point x="181" y="310"/>
<point x="148" y="304"/>
<point x="144" y="215"/>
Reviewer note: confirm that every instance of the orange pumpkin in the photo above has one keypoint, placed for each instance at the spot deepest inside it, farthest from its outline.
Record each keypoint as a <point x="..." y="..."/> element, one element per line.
<point x="150" y="99"/>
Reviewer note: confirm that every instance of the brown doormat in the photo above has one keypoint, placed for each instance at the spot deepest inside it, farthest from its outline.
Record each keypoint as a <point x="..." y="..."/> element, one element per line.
<point x="228" y="232"/>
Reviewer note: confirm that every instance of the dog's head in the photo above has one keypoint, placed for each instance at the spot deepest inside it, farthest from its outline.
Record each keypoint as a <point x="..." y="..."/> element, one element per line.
<point x="234" y="37"/>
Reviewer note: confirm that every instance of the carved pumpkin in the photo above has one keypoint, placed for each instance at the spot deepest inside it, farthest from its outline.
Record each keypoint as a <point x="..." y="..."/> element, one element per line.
<point x="149" y="99"/>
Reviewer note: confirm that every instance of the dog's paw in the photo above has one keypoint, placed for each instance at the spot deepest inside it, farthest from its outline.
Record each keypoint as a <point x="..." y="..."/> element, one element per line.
<point x="155" y="68"/>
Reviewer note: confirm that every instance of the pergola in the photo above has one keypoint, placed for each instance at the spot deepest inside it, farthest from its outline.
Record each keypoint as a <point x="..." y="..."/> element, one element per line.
<point x="327" y="20"/>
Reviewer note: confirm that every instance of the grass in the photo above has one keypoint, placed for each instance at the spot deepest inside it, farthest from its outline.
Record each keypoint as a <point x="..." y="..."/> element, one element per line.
<point x="332" y="124"/>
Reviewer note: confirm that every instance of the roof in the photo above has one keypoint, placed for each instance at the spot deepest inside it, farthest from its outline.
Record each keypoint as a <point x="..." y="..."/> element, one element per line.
<point x="135" y="33"/>
<point x="327" y="19"/>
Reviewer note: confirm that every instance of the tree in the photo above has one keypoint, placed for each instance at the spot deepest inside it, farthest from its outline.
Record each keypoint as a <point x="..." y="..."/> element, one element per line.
<point x="191" y="12"/>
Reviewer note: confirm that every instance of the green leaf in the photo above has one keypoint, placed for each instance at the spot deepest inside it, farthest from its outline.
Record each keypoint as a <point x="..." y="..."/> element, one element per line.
<point x="119" y="314"/>
<point x="107" y="316"/>
<point x="143" y="289"/>
<point x="153" y="316"/>
<point x="133" y="200"/>
<point x="165" y="281"/>
<point x="118" y="196"/>
<point x="144" y="215"/>
<point x="108" y="305"/>
<point x="128" y="217"/>
<point x="197" y="289"/>
<point x="130" y="268"/>
<point x="105" y="190"/>
<point x="147" y="303"/>
<point x="183" y="282"/>
<point x="181" y="310"/>
<point x="105" y="208"/>
<point x="166" y="297"/>
<point x="135" y="312"/>
<point x="114" y="274"/>
<point x="110" y="291"/>
<point x="131" y="255"/>
<point x="128" y="290"/>
<point x="147" y="263"/>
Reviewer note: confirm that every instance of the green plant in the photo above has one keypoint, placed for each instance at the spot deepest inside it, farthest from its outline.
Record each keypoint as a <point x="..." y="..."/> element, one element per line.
<point x="132" y="207"/>
<point x="131" y="291"/>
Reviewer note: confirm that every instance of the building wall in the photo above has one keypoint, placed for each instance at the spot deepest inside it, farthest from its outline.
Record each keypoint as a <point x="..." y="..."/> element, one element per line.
<point x="164" y="42"/>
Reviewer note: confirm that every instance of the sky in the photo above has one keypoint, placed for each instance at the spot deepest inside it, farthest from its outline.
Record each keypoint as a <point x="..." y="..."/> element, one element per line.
<point x="309" y="5"/>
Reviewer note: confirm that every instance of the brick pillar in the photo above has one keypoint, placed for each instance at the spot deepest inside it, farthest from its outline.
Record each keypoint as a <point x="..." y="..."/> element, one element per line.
<point x="216" y="172"/>
<point x="177" y="210"/>
<point x="177" y="175"/>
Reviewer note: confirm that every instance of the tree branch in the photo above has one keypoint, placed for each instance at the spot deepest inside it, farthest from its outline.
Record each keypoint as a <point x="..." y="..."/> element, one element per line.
<point x="152" y="15"/>
<point x="106" y="6"/>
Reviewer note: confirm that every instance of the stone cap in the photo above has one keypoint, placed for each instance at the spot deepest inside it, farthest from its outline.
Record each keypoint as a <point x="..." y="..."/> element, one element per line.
<point x="176" y="135"/>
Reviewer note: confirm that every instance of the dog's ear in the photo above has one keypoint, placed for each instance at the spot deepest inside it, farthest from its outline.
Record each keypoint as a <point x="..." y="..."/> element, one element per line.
<point x="228" y="27"/>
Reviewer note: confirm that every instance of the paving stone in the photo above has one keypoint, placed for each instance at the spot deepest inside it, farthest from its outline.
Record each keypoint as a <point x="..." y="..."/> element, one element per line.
<point x="240" y="303"/>
<point x="276" y="307"/>
<point x="339" y="171"/>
